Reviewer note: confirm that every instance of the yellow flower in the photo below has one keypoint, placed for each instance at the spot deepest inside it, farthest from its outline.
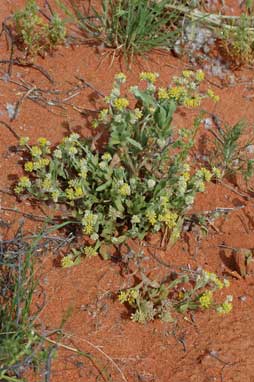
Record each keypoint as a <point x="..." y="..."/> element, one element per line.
<point x="200" y="75"/>
<point x="192" y="102"/>
<point x="24" y="182"/>
<point x="46" y="184"/>
<point x="169" y="218"/>
<point x="67" y="261"/>
<point x="177" y="92"/>
<point x="70" y="194"/>
<point x="219" y="283"/>
<point x="89" y="218"/>
<point x="36" y="151"/>
<point x="217" y="172"/>
<point x="121" y="103"/>
<point x="186" y="176"/>
<point x="151" y="216"/>
<point x="88" y="229"/>
<point x="120" y="77"/>
<point x="78" y="192"/>
<point x="23" y="141"/>
<point x="107" y="157"/>
<point x="72" y="150"/>
<point x="55" y="196"/>
<point x="122" y="297"/>
<point x="103" y="115"/>
<point x="29" y="166"/>
<point x="41" y="163"/>
<point x="206" y="174"/>
<point x="88" y="222"/>
<point x="18" y="189"/>
<point x="83" y="174"/>
<point x="225" y="308"/>
<point x="149" y="76"/>
<point x="90" y="251"/>
<point x="163" y="93"/>
<point x="138" y="113"/>
<point x="43" y="142"/>
<point x="130" y="295"/>
<point x="125" y="190"/>
<point x="206" y="299"/>
<point x="187" y="73"/>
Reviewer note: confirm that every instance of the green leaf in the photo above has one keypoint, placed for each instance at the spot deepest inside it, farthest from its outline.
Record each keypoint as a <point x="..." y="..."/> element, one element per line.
<point x="146" y="99"/>
<point x="176" y="231"/>
<point x="104" y="186"/>
<point x="160" y="116"/>
<point x="134" y="143"/>
<point x="119" y="205"/>
<point x="119" y="239"/>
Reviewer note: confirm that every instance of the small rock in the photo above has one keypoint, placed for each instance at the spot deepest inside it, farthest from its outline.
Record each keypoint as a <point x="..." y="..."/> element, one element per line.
<point x="10" y="110"/>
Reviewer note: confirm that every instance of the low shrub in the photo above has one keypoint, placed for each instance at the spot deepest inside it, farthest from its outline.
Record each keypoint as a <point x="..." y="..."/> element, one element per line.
<point x="142" y="181"/>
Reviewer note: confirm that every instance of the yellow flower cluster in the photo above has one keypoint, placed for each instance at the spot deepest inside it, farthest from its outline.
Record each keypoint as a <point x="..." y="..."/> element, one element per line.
<point x="214" y="278"/>
<point x="74" y="193"/>
<point x="78" y="192"/>
<point x="72" y="150"/>
<point x="177" y="92"/>
<point x="67" y="261"/>
<point x="206" y="299"/>
<point x="200" y="75"/>
<point x="103" y="115"/>
<point x="36" y="151"/>
<point x="130" y="295"/>
<point x="151" y="217"/>
<point x="186" y="176"/>
<point x="121" y="77"/>
<point x="39" y="164"/>
<point x="55" y="195"/>
<point x="207" y="175"/>
<point x="121" y="103"/>
<point x="169" y="218"/>
<point x="163" y="93"/>
<point x="29" y="166"/>
<point x="217" y="172"/>
<point x="225" y="308"/>
<point x="149" y="76"/>
<point x="107" y="157"/>
<point x="138" y="113"/>
<point x="90" y="251"/>
<point x="24" y="182"/>
<point x="125" y="190"/>
<point x="83" y="174"/>
<point x="46" y="184"/>
<point x="43" y="142"/>
<point x="187" y="73"/>
<point x="88" y="222"/>
<point x="192" y="101"/>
